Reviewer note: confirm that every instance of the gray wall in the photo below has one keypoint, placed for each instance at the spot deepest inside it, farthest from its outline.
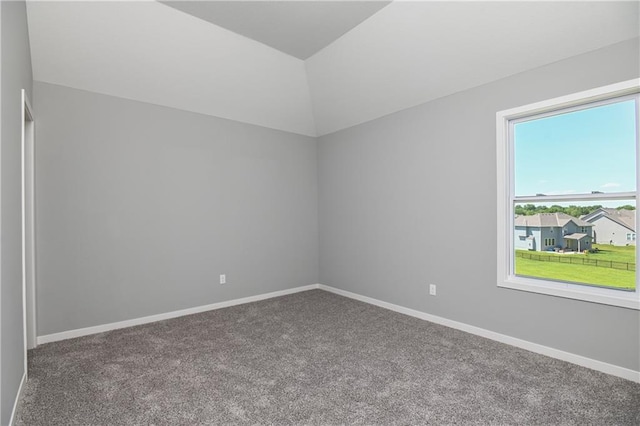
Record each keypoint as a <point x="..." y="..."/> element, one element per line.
<point x="402" y="198"/>
<point x="16" y="75"/>
<point x="140" y="208"/>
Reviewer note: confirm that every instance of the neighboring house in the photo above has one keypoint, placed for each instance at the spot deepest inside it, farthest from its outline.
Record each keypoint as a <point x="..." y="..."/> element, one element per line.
<point x="546" y="231"/>
<point x="613" y="226"/>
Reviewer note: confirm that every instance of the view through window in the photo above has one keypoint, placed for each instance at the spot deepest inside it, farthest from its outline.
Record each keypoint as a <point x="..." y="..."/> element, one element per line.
<point x="574" y="185"/>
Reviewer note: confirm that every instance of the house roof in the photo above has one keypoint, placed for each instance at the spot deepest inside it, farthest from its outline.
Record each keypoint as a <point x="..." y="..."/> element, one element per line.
<point x="549" y="220"/>
<point x="626" y="218"/>
<point x="574" y="236"/>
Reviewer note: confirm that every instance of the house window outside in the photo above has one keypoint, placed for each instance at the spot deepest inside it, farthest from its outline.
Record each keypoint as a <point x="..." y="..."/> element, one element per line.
<point x="598" y="131"/>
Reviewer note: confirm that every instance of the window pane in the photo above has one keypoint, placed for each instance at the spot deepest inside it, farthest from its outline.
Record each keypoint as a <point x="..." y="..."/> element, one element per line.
<point x="577" y="152"/>
<point x="590" y="243"/>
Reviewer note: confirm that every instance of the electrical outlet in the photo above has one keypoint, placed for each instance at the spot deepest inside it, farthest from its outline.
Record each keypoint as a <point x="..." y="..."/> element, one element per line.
<point x="223" y="279"/>
<point x="432" y="289"/>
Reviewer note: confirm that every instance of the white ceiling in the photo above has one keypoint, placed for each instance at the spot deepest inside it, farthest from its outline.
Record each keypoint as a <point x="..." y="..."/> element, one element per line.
<point x="413" y="52"/>
<point x="299" y="28"/>
<point x="153" y="53"/>
<point x="405" y="54"/>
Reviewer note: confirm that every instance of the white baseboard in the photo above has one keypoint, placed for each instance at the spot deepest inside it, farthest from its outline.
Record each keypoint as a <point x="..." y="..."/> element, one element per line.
<point x="168" y="315"/>
<point x="23" y="384"/>
<point x="593" y="364"/>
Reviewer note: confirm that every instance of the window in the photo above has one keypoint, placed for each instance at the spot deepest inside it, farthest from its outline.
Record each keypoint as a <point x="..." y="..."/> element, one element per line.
<point x="593" y="136"/>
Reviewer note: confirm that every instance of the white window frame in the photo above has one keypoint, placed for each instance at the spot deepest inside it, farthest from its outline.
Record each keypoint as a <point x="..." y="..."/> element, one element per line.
<point x="506" y="198"/>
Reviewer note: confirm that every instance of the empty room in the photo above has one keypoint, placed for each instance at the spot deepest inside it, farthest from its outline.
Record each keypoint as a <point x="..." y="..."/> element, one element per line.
<point x="319" y="212"/>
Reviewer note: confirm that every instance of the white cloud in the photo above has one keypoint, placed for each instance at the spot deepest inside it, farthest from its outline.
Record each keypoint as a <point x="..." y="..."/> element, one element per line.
<point x="610" y="185"/>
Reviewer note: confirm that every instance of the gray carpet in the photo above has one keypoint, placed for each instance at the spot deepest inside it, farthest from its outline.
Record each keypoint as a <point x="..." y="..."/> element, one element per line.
<point x="311" y="358"/>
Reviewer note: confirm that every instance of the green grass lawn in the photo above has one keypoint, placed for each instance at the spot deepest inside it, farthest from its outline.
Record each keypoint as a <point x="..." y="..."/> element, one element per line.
<point x="586" y="274"/>
<point x="615" y="253"/>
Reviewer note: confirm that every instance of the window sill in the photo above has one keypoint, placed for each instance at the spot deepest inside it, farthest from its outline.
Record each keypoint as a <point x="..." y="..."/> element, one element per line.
<point x="620" y="299"/>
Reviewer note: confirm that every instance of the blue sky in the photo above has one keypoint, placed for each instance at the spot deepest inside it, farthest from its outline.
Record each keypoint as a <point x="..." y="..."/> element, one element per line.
<point x="578" y="152"/>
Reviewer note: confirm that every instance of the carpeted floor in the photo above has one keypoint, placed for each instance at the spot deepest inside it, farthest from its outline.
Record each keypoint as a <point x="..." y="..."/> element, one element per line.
<point x="311" y="358"/>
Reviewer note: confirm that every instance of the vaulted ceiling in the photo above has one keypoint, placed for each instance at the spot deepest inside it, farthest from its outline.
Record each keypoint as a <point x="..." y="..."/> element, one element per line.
<point x="308" y="67"/>
<point x="299" y="28"/>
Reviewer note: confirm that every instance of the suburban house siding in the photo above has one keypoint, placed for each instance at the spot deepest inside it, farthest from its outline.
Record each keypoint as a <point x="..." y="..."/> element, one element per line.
<point x="546" y="231"/>
<point x="612" y="226"/>
<point x="527" y="238"/>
